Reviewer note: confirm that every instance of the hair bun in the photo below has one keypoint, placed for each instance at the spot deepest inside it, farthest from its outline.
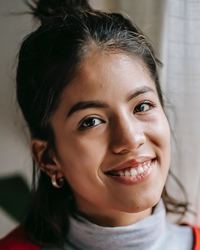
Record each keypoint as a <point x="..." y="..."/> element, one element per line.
<point x="44" y="8"/>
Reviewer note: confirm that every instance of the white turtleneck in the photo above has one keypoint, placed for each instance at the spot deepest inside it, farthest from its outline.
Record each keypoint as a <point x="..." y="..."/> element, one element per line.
<point x="151" y="233"/>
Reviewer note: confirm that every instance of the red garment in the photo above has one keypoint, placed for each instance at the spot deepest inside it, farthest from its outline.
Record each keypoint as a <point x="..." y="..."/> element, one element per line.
<point x="16" y="241"/>
<point x="196" y="232"/>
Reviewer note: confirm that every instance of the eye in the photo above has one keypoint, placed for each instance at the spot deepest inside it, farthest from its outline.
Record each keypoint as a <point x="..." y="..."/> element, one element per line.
<point x="143" y="107"/>
<point x="90" y="122"/>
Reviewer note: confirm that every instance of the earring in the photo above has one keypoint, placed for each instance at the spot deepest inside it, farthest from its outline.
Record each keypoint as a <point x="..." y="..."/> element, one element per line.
<point x="54" y="182"/>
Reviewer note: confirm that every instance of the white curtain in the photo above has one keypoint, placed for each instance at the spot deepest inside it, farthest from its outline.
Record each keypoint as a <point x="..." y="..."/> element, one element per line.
<point x="182" y="81"/>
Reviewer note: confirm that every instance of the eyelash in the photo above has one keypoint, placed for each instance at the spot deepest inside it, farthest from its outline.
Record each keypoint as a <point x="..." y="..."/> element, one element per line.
<point x="150" y="104"/>
<point x="81" y="126"/>
<point x="92" y="119"/>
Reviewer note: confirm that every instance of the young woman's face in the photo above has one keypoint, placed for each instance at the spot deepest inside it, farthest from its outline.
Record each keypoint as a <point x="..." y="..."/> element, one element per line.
<point x="112" y="137"/>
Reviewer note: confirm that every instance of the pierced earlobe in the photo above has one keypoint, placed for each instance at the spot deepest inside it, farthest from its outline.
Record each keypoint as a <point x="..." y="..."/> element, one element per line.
<point x="57" y="183"/>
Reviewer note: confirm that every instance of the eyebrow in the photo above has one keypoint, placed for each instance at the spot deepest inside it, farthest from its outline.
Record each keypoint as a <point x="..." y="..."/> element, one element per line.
<point x="86" y="105"/>
<point x="139" y="91"/>
<point x="97" y="104"/>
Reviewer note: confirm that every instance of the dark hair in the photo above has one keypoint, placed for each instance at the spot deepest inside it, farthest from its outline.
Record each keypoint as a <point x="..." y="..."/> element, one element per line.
<point x="48" y="60"/>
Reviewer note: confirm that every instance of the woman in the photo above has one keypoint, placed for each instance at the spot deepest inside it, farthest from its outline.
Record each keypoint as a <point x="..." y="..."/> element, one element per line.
<point x="88" y="87"/>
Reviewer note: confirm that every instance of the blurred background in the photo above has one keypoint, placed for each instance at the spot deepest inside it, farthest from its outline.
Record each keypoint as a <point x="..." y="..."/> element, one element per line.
<point x="173" y="27"/>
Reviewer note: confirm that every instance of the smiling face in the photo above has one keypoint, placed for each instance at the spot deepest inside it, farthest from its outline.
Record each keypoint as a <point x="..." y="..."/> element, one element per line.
<point x="110" y="125"/>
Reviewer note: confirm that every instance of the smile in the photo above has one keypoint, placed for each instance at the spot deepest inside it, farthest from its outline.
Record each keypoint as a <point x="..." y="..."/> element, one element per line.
<point x="132" y="171"/>
<point x="133" y="174"/>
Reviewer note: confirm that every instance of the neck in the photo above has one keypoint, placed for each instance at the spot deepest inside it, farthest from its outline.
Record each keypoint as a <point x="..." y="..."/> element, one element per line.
<point x="112" y="218"/>
<point x="145" y="234"/>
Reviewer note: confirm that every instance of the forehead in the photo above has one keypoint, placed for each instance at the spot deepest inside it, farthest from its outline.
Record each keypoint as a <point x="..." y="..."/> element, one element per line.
<point x="104" y="75"/>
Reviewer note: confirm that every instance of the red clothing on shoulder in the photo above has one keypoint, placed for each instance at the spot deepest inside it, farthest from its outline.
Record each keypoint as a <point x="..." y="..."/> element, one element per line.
<point x="196" y="232"/>
<point x="16" y="241"/>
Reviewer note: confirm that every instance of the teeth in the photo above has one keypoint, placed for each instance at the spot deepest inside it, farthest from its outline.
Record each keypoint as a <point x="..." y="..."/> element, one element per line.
<point x="133" y="171"/>
<point x="121" y="173"/>
<point x="140" y="169"/>
<point x="127" y="173"/>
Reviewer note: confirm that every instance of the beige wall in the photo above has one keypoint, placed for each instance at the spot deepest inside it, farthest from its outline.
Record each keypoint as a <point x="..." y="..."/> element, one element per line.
<point x="14" y="155"/>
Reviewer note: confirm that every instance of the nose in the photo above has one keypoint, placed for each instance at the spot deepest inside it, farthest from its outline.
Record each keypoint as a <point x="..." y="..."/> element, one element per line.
<point x="127" y="135"/>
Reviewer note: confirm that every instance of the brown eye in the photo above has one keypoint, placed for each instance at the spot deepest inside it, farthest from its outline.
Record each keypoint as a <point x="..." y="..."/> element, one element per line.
<point x="143" y="107"/>
<point x="90" y="122"/>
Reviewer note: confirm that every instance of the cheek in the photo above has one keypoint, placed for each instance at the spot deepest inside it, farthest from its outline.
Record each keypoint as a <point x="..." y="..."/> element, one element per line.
<point x="160" y="131"/>
<point x="163" y="131"/>
<point x="80" y="160"/>
<point x="80" y="155"/>
<point x="162" y="141"/>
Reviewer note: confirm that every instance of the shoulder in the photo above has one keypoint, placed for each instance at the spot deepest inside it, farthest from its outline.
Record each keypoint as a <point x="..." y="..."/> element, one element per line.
<point x="16" y="240"/>
<point x="178" y="237"/>
<point x="196" y="235"/>
<point x="196" y="232"/>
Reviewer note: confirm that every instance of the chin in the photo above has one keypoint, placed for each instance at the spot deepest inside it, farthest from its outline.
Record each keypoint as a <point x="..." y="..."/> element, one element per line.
<point x="142" y="203"/>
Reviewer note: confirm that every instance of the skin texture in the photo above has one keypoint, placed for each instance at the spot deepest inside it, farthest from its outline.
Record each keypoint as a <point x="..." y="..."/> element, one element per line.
<point x="123" y="129"/>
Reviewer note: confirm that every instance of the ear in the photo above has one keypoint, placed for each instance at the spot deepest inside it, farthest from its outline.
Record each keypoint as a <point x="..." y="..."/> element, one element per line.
<point x="50" y="166"/>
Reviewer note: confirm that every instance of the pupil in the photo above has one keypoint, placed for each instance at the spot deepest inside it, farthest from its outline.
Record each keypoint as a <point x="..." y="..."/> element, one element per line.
<point x="90" y="122"/>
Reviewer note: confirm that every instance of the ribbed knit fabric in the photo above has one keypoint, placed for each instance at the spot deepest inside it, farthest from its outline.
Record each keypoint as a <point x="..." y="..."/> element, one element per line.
<point x="151" y="233"/>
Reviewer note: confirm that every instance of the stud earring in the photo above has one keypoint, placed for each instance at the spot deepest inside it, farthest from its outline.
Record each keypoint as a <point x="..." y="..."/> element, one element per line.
<point x="57" y="183"/>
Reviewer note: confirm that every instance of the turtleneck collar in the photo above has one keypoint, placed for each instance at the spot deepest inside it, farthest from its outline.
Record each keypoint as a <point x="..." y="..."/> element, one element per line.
<point x="152" y="233"/>
<point x="141" y="235"/>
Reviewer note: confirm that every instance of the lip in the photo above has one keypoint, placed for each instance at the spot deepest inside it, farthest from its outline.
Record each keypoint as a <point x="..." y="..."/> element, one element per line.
<point x="130" y="180"/>
<point x="131" y="163"/>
